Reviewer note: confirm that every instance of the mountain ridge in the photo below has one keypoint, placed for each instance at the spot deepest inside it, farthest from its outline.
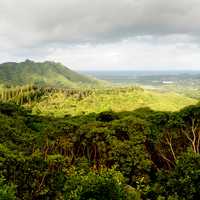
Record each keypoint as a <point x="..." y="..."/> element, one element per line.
<point x="47" y="73"/>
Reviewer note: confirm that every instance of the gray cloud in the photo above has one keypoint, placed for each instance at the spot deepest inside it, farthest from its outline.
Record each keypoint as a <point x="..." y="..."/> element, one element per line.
<point x="106" y="34"/>
<point x="29" y="23"/>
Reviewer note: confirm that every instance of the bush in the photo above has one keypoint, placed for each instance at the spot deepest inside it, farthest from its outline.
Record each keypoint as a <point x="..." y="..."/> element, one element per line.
<point x="105" y="185"/>
<point x="107" y="116"/>
<point x="184" y="179"/>
<point x="7" y="192"/>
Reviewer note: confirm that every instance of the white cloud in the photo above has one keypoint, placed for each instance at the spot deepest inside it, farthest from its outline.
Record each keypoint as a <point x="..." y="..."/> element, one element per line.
<point x="133" y="53"/>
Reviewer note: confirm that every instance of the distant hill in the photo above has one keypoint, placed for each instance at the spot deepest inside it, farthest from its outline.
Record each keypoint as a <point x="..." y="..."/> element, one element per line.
<point x="116" y="99"/>
<point x="41" y="73"/>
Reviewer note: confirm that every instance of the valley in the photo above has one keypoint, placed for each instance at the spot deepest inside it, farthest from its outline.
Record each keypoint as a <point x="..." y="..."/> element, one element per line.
<point x="71" y="136"/>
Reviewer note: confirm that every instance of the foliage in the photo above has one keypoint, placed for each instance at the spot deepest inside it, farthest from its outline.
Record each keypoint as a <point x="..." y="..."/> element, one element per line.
<point x="102" y="185"/>
<point x="114" y="154"/>
<point x="7" y="192"/>
<point x="184" y="179"/>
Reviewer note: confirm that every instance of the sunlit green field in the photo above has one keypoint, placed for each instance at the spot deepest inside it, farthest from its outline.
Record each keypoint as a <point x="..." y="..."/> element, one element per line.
<point x="117" y="100"/>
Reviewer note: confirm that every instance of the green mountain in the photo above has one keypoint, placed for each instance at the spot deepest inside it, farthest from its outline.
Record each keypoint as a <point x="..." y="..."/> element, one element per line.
<point x="41" y="73"/>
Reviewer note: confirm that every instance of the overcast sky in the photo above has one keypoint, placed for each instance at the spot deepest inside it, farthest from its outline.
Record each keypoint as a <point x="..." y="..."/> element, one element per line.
<point x="102" y="34"/>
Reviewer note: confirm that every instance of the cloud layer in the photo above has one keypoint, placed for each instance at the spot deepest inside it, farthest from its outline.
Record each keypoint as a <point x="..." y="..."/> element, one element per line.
<point x="42" y="28"/>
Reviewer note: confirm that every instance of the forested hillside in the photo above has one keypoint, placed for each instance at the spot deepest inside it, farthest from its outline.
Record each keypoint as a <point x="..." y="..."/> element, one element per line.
<point x="143" y="154"/>
<point x="118" y="99"/>
<point x="42" y="74"/>
<point x="62" y="101"/>
<point x="120" y="143"/>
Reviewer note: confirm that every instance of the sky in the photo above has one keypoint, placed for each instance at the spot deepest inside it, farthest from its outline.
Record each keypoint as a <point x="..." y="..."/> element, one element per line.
<point x="102" y="34"/>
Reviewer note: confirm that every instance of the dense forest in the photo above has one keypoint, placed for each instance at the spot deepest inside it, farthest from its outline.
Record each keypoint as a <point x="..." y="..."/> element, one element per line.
<point x="135" y="153"/>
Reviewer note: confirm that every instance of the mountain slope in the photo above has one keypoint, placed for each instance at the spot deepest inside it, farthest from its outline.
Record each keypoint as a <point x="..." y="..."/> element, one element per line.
<point x="118" y="100"/>
<point x="44" y="74"/>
